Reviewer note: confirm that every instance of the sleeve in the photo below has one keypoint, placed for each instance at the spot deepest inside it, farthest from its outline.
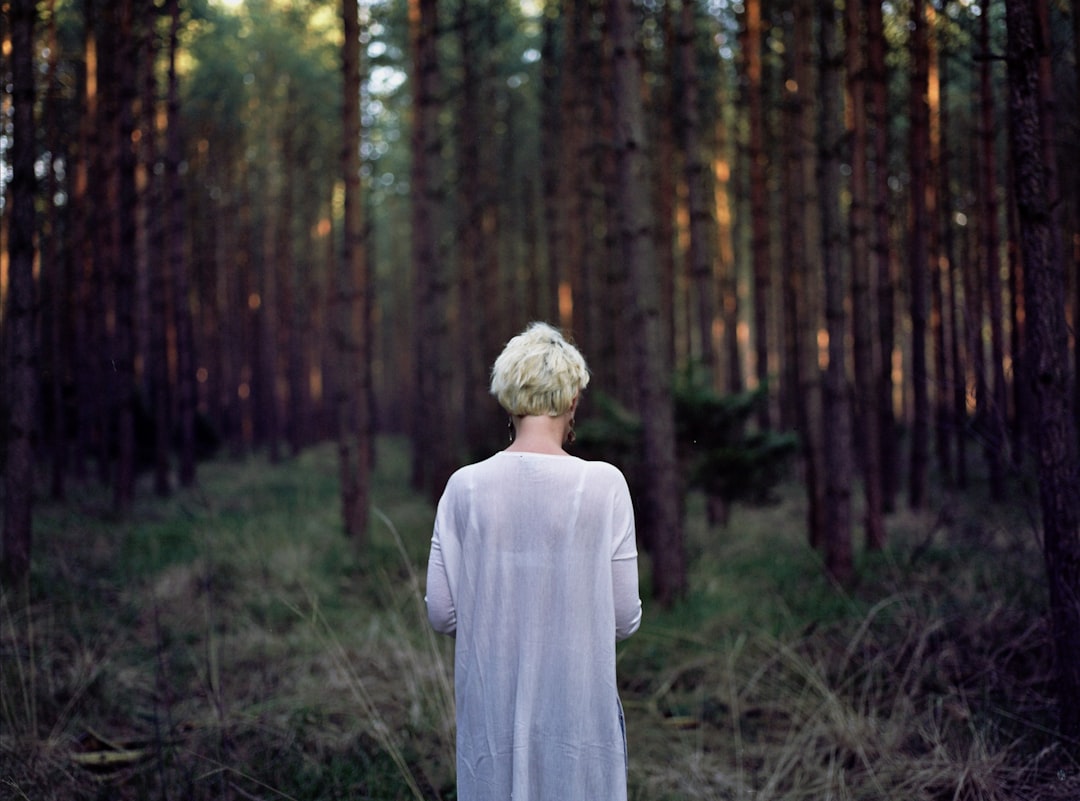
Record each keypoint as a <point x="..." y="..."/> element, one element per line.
<point x="440" y="601"/>
<point x="624" y="566"/>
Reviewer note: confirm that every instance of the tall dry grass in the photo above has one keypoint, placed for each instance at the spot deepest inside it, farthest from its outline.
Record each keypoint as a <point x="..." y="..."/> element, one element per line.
<point x="230" y="644"/>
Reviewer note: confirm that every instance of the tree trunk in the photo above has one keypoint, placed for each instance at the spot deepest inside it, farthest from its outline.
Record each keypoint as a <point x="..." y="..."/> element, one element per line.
<point x="667" y="98"/>
<point x="552" y="124"/>
<point x="151" y="294"/>
<point x="290" y="339"/>
<point x="882" y="253"/>
<point x="351" y="377"/>
<point x="1055" y="427"/>
<point x="866" y="417"/>
<point x="433" y="444"/>
<point x="120" y="93"/>
<point x="698" y="184"/>
<point x="19" y="316"/>
<point x="935" y="212"/>
<point x="918" y="252"/>
<point x="88" y="298"/>
<point x="1055" y="431"/>
<point x="1075" y="222"/>
<point x="759" y="216"/>
<point x="1021" y="394"/>
<point x="728" y="279"/>
<point x="995" y="436"/>
<point x="836" y="403"/>
<point x="662" y="513"/>
<point x="55" y="278"/>
<point x="801" y="283"/>
<point x="185" y="335"/>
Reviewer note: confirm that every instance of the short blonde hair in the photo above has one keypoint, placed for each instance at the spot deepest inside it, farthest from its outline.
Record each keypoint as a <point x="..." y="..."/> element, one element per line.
<point x="539" y="372"/>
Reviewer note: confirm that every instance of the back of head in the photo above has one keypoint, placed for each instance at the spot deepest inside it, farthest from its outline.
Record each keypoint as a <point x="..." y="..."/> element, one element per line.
<point x="538" y="373"/>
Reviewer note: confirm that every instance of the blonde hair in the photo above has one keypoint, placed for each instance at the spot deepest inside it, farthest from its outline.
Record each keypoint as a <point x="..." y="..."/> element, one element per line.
<point x="539" y="372"/>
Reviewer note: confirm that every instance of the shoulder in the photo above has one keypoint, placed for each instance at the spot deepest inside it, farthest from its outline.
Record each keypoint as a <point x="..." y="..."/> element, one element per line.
<point x="467" y="475"/>
<point x="606" y="472"/>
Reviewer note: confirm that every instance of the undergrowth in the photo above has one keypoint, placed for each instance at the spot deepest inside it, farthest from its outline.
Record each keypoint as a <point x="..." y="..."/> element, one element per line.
<point x="230" y="643"/>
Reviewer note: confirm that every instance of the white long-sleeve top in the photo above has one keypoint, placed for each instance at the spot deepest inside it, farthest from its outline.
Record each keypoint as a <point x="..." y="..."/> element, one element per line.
<point x="533" y="568"/>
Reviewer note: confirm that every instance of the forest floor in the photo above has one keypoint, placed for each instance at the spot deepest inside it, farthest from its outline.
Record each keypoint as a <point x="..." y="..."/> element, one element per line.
<point x="229" y="643"/>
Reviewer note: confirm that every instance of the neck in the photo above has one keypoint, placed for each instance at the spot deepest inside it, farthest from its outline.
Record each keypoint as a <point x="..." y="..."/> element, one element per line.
<point x="540" y="434"/>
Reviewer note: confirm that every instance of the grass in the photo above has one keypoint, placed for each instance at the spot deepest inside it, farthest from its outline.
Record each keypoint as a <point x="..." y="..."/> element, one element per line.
<point x="229" y="642"/>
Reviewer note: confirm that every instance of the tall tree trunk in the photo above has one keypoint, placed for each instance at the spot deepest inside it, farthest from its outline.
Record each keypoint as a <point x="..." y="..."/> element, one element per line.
<point x="152" y="298"/>
<point x="290" y="340"/>
<point x="759" y="217"/>
<point x="960" y="355"/>
<point x="351" y="377"/>
<point x="836" y="402"/>
<point x="935" y="212"/>
<point x="185" y="334"/>
<point x="1055" y="427"/>
<point x="122" y="60"/>
<point x="552" y="124"/>
<point x="55" y="281"/>
<point x="863" y="356"/>
<point x="995" y="411"/>
<point x="667" y="99"/>
<point x="478" y="264"/>
<point x="698" y="184"/>
<point x="975" y="296"/>
<point x="877" y="74"/>
<point x="662" y="517"/>
<point x="86" y="331"/>
<point x="1075" y="222"/>
<point x="433" y="443"/>
<point x="800" y="281"/>
<point x="950" y="366"/>
<point x="918" y="252"/>
<point x="19" y="316"/>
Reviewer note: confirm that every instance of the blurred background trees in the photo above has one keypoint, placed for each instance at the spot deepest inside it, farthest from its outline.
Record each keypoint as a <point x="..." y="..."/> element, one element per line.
<point x="207" y="249"/>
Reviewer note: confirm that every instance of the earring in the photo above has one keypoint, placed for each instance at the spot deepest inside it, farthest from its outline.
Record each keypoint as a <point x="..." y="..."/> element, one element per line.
<point x="510" y="429"/>
<point x="571" y="437"/>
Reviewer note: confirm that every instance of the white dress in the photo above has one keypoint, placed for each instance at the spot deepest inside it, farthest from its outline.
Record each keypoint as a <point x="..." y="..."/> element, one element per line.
<point x="533" y="568"/>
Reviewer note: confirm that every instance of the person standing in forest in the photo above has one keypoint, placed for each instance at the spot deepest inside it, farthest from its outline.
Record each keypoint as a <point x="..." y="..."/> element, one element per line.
<point x="533" y="569"/>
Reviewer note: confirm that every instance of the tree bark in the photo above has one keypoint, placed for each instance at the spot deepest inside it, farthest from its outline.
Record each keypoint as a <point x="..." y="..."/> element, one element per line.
<point x="996" y="409"/>
<point x="151" y="290"/>
<point x="1055" y="428"/>
<point x="935" y="213"/>
<point x="351" y="379"/>
<point x="119" y="96"/>
<point x="918" y="254"/>
<point x="882" y="252"/>
<point x="662" y="513"/>
<point x="801" y="283"/>
<point x="836" y="402"/>
<point x="759" y="217"/>
<point x="185" y="335"/>
<point x="433" y="443"/>
<point x="19" y="317"/>
<point x="552" y="124"/>
<point x="698" y="185"/>
<point x="864" y="359"/>
<point x="55" y="277"/>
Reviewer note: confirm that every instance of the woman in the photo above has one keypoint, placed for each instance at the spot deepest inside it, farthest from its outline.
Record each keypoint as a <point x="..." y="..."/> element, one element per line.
<point x="533" y="569"/>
